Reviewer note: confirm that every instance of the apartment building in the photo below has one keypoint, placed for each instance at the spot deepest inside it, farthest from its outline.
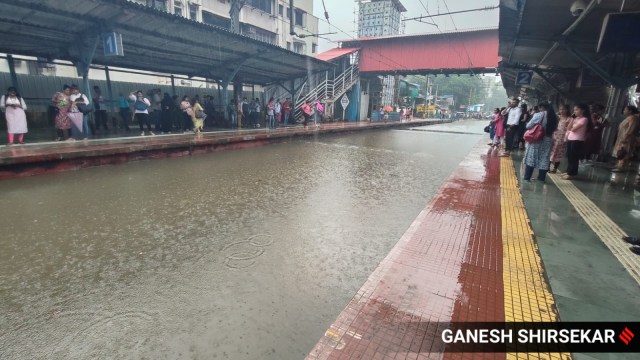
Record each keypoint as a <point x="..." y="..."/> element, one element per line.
<point x="264" y="20"/>
<point x="380" y="18"/>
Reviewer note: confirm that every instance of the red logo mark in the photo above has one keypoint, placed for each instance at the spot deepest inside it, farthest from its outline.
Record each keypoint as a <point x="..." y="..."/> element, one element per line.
<point x="626" y="336"/>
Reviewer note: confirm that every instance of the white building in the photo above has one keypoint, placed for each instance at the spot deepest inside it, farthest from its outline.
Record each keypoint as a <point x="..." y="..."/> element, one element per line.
<point x="265" y="20"/>
<point x="379" y="18"/>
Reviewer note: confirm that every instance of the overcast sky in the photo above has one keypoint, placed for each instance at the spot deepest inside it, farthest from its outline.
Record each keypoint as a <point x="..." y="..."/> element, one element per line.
<point x="343" y="17"/>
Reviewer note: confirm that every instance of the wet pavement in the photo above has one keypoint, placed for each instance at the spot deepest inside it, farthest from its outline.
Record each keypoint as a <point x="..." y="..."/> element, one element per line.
<point x="247" y="254"/>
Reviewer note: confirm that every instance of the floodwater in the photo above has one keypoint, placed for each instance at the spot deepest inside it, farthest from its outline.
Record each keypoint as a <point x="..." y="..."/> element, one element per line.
<point x="247" y="254"/>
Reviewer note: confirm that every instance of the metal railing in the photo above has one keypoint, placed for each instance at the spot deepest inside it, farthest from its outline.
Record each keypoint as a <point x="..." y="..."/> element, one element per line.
<point x="329" y="90"/>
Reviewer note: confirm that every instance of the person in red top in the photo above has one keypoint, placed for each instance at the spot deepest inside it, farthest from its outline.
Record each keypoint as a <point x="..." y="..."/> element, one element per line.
<point x="286" y="110"/>
<point x="576" y="135"/>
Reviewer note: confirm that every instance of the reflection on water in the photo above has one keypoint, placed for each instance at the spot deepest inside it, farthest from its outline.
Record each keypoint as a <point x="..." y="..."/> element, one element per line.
<point x="243" y="255"/>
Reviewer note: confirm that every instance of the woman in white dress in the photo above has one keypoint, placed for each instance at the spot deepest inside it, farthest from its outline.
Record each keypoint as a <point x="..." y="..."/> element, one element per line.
<point x="12" y="104"/>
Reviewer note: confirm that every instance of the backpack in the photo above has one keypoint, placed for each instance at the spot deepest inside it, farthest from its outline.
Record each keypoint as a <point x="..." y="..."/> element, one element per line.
<point x="140" y="105"/>
<point x="83" y="107"/>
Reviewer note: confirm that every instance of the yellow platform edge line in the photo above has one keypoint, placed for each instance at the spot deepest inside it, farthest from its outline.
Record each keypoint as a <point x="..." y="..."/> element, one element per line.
<point x="527" y="294"/>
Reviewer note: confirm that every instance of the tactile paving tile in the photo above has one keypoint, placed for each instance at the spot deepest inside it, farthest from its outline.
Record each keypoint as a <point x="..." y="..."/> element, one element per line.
<point x="607" y="230"/>
<point x="527" y="294"/>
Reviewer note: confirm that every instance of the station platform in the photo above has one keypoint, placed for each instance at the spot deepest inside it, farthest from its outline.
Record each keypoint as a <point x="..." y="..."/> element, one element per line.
<point x="490" y="248"/>
<point x="50" y="157"/>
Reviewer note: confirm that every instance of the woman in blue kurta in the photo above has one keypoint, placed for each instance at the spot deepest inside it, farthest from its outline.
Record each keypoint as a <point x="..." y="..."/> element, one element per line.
<point x="537" y="154"/>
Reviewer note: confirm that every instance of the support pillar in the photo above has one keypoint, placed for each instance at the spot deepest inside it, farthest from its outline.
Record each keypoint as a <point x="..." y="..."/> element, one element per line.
<point x="237" y="95"/>
<point x="173" y="85"/>
<point x="110" y="90"/>
<point x="12" y="71"/>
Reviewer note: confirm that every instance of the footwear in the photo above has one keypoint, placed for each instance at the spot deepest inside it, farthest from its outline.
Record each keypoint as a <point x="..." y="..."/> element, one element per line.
<point x="553" y="171"/>
<point x="58" y="139"/>
<point x="71" y="139"/>
<point x="632" y="240"/>
<point x="567" y="177"/>
<point x="142" y="134"/>
<point x="635" y="250"/>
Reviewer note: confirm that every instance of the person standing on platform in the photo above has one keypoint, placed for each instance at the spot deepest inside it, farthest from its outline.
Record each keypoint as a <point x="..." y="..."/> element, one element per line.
<point x="63" y="106"/>
<point x="198" y="116"/>
<point x="156" y="109"/>
<point x="559" y="147"/>
<point x="271" y="113"/>
<point x="187" y="114"/>
<point x="141" y="110"/>
<point x="246" y="112"/>
<point x="210" y="110"/>
<point x="625" y="142"/>
<point x="522" y="128"/>
<point x="167" y="110"/>
<point x="125" y="111"/>
<point x="593" y="143"/>
<point x="307" y="112"/>
<point x="80" y="110"/>
<point x="512" y="115"/>
<point x="577" y="131"/>
<point x="278" y="109"/>
<point x="536" y="155"/>
<point x="13" y="106"/>
<point x="233" y="114"/>
<point x="286" y="111"/>
<point x="100" y="110"/>
<point x="499" y="120"/>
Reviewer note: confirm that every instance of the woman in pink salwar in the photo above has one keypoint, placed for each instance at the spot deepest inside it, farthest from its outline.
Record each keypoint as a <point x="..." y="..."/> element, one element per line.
<point x="499" y="122"/>
<point x="63" y="106"/>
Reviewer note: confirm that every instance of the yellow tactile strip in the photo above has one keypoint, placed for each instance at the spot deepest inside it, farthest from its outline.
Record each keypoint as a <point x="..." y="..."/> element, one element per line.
<point x="527" y="295"/>
<point x="601" y="224"/>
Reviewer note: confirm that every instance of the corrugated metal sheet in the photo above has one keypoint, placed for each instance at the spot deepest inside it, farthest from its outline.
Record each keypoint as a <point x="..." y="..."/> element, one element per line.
<point x="459" y="51"/>
<point x="335" y="53"/>
<point x="153" y="40"/>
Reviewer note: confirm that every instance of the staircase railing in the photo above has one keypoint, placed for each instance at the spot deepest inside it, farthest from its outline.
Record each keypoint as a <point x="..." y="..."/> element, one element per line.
<point x="329" y="91"/>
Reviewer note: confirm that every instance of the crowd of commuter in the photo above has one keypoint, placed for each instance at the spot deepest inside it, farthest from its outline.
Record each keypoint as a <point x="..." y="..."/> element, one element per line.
<point x="571" y="134"/>
<point x="77" y="116"/>
<point x="574" y="134"/>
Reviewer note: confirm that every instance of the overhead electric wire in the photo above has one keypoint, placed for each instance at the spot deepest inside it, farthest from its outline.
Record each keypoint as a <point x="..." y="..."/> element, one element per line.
<point x="455" y="27"/>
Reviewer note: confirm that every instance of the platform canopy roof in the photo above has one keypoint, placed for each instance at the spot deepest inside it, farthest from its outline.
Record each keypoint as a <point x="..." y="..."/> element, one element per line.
<point x="153" y="40"/>
<point x="544" y="35"/>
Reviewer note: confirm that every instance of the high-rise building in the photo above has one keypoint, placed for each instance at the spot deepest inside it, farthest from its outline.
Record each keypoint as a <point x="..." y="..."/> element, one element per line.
<point x="379" y="17"/>
<point x="264" y="20"/>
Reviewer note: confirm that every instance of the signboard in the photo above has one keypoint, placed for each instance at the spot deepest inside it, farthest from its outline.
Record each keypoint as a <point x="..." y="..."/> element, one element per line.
<point x="112" y="44"/>
<point x="344" y="101"/>
<point x="524" y="77"/>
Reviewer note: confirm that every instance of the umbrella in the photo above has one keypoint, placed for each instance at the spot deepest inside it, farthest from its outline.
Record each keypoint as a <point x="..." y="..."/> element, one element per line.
<point x="388" y="108"/>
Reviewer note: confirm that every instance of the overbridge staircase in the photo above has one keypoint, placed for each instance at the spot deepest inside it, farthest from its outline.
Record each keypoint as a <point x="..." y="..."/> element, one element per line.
<point x="328" y="91"/>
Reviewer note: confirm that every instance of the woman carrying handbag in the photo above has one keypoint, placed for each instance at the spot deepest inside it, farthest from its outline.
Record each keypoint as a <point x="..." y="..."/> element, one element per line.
<point x="538" y="138"/>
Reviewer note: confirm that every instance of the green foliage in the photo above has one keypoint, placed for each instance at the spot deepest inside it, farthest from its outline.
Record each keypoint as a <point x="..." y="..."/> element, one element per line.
<point x="482" y="89"/>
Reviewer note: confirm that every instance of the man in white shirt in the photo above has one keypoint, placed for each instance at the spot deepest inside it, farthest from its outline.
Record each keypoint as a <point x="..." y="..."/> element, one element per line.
<point x="513" y="114"/>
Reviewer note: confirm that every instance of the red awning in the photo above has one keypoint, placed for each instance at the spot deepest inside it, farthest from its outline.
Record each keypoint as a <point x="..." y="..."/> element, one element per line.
<point x="335" y="53"/>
